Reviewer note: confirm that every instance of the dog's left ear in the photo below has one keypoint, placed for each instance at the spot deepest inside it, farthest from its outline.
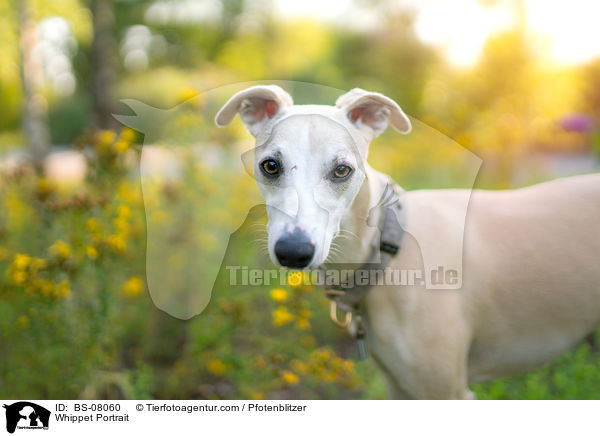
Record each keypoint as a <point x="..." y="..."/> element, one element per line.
<point x="256" y="105"/>
<point x="371" y="112"/>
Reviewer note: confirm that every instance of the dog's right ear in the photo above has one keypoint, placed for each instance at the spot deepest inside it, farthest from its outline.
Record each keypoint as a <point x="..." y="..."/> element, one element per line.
<point x="256" y="105"/>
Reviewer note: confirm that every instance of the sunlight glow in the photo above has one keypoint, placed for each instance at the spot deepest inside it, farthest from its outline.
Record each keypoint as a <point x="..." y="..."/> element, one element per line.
<point x="565" y="34"/>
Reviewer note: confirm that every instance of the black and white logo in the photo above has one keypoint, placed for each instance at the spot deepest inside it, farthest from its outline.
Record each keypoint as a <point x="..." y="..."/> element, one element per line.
<point x="26" y="415"/>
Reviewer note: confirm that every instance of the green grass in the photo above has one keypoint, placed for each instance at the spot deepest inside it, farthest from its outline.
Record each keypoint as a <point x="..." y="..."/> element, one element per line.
<point x="573" y="376"/>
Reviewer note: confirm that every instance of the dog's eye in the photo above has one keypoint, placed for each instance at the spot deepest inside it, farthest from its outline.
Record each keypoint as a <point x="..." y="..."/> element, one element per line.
<point x="270" y="167"/>
<point x="341" y="172"/>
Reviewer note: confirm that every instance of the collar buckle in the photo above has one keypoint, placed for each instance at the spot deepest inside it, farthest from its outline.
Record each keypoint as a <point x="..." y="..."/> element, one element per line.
<point x="333" y="314"/>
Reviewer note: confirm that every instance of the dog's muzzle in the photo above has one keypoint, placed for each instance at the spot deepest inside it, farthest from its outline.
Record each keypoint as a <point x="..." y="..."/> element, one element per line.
<point x="294" y="250"/>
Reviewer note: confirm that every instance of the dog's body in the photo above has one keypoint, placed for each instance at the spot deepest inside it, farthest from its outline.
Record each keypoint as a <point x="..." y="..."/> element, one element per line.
<point x="530" y="280"/>
<point x="531" y="287"/>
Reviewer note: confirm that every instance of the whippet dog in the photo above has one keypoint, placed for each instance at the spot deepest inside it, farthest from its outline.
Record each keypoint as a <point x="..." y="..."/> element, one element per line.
<point x="530" y="279"/>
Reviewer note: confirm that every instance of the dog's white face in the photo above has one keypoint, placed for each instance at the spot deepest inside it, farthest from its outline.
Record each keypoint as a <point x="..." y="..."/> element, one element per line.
<point x="309" y="163"/>
<point x="309" y="172"/>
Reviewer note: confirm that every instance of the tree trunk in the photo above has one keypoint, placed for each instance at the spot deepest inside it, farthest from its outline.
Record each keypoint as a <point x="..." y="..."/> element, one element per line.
<point x="35" y="116"/>
<point x="102" y="74"/>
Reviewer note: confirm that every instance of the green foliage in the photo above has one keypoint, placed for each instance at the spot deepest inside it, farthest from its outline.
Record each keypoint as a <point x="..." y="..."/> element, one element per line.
<point x="575" y="376"/>
<point x="72" y="262"/>
<point x="69" y="118"/>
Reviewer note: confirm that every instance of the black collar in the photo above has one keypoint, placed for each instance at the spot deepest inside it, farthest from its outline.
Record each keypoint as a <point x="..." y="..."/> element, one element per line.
<point x="348" y="299"/>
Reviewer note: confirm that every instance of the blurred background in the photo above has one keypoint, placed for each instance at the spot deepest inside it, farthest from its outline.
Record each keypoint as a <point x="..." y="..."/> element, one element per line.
<point x="515" y="82"/>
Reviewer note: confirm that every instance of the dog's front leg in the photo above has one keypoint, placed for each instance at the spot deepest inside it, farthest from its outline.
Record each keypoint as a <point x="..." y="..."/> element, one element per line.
<point x="433" y="379"/>
<point x="395" y="392"/>
<point x="420" y="344"/>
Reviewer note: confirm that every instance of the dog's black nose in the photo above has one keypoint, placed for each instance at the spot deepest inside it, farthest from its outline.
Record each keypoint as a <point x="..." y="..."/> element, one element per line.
<point x="294" y="250"/>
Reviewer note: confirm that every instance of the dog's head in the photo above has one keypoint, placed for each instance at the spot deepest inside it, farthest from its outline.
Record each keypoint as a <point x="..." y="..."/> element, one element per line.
<point x="309" y="163"/>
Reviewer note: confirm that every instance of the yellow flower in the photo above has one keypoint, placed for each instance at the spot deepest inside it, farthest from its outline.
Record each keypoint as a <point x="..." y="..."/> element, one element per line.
<point x="60" y="249"/>
<point x="216" y="367"/>
<point x="257" y="396"/>
<point x="21" y="261"/>
<point x="300" y="280"/>
<point x="187" y="93"/>
<point x="326" y="376"/>
<point x="347" y="366"/>
<point x="62" y="290"/>
<point x="128" y="134"/>
<point x="117" y="242"/>
<point x="38" y="263"/>
<point x="321" y="355"/>
<point x="282" y="316"/>
<point x="129" y="193"/>
<point x="290" y="378"/>
<point x="299" y="366"/>
<point x="106" y="137"/>
<point x="44" y="186"/>
<point x="23" y="321"/>
<point x="123" y="211"/>
<point x="133" y="286"/>
<point x="279" y="295"/>
<point x="295" y="278"/>
<point x="121" y="225"/>
<point x="44" y="287"/>
<point x="92" y="225"/>
<point x="19" y="277"/>
<point x="303" y="324"/>
<point x="121" y="146"/>
<point x="91" y="252"/>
